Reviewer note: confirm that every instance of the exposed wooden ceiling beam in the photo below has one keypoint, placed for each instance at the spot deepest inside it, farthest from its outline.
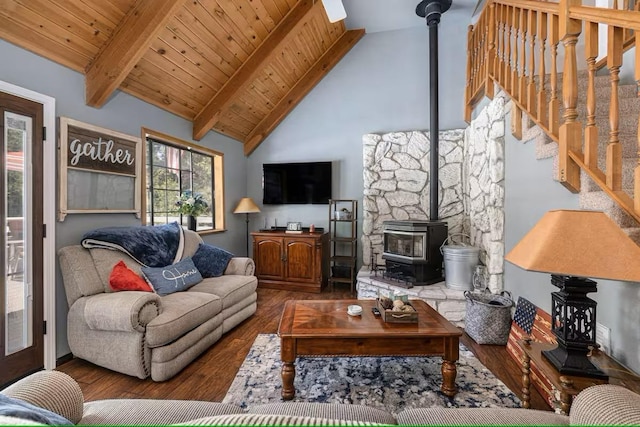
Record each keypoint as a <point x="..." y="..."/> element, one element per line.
<point x="250" y="69"/>
<point x="311" y="78"/>
<point x="129" y="43"/>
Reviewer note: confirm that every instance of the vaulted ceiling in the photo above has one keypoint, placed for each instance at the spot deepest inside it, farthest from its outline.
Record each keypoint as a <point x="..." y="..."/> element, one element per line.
<point x="235" y="66"/>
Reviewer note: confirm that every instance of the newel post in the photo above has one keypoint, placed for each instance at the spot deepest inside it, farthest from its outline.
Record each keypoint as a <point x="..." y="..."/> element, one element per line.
<point x="570" y="138"/>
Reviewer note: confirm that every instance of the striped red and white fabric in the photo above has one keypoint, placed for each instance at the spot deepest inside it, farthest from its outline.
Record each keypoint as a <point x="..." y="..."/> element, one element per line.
<point x="531" y="321"/>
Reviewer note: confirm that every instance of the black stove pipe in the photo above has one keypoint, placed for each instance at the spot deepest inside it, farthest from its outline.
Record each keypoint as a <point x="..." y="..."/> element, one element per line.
<point x="431" y="10"/>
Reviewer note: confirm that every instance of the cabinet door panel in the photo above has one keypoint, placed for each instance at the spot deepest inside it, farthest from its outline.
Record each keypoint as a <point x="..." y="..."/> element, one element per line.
<point x="268" y="258"/>
<point x="300" y="260"/>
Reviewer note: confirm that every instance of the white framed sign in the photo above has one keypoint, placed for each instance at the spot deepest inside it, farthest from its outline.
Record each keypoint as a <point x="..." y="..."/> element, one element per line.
<point x="100" y="170"/>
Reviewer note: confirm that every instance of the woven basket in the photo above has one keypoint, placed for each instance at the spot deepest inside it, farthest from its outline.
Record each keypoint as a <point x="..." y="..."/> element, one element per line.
<point x="488" y="318"/>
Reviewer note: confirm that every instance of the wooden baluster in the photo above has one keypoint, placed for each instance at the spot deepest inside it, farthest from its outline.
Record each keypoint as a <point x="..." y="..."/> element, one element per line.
<point x="482" y="38"/>
<point x="503" y="58"/>
<point x="476" y="55"/>
<point x="507" y="62"/>
<point x="591" y="131"/>
<point x="636" y="172"/>
<point x="514" y="69"/>
<point x="542" y="93"/>
<point x="614" y="149"/>
<point x="468" y="94"/>
<point x="554" y="106"/>
<point x="522" y="79"/>
<point x="491" y="51"/>
<point x="570" y="137"/>
<point x="516" y="111"/>
<point x="531" y="92"/>
<point x="500" y="39"/>
<point x="474" y="62"/>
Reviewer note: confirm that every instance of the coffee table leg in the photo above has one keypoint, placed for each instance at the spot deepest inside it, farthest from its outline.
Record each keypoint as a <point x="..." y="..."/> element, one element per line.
<point x="449" y="373"/>
<point x="288" y="356"/>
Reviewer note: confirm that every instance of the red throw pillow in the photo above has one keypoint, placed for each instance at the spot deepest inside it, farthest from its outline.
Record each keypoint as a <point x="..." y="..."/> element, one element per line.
<point x="122" y="278"/>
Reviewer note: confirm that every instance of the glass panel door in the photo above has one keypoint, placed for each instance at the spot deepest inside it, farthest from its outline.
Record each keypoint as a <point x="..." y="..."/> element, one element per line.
<point x="21" y="241"/>
<point x="18" y="290"/>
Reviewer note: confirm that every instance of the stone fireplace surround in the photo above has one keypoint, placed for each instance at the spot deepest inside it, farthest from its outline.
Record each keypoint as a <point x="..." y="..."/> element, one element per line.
<point x="471" y="198"/>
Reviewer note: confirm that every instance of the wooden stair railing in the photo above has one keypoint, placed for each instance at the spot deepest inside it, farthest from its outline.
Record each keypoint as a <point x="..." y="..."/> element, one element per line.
<point x="502" y="50"/>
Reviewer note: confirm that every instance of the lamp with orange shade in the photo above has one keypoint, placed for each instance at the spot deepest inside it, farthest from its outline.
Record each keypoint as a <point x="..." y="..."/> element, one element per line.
<point x="574" y="246"/>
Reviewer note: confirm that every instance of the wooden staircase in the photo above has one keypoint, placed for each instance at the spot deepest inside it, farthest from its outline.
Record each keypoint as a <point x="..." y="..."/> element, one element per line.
<point x="591" y="196"/>
<point x="585" y="119"/>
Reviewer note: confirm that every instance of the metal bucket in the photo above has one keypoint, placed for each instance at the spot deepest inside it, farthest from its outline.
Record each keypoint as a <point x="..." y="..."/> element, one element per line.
<point x="459" y="265"/>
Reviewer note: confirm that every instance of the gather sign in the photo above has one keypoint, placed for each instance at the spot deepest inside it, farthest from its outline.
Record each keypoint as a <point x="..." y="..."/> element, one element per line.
<point x="100" y="152"/>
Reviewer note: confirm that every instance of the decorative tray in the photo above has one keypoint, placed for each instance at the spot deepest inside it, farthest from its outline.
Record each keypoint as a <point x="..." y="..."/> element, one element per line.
<point x="396" y="316"/>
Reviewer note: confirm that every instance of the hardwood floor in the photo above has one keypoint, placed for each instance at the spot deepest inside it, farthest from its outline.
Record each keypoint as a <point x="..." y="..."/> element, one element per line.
<point x="210" y="375"/>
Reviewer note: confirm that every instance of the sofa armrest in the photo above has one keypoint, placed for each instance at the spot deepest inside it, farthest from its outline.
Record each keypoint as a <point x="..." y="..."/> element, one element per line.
<point x="605" y="404"/>
<point x="241" y="266"/>
<point x="51" y="390"/>
<point x="121" y="311"/>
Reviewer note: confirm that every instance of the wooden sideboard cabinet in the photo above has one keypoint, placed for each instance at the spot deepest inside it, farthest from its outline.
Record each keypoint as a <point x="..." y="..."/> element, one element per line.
<point x="296" y="262"/>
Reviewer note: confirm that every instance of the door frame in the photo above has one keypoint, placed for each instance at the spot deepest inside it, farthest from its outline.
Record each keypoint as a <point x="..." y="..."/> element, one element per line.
<point x="49" y="153"/>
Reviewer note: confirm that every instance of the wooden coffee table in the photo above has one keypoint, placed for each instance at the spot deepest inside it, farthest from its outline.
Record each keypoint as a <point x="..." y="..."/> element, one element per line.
<point x="323" y="328"/>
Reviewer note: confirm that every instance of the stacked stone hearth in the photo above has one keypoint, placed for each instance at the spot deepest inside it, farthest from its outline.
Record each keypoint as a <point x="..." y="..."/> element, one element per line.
<point x="471" y="195"/>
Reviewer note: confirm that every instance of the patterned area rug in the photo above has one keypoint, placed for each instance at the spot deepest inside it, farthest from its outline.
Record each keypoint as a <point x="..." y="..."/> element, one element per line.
<point x="388" y="383"/>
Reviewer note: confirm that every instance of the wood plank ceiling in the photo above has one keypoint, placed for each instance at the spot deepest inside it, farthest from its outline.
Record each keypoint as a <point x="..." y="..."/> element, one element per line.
<point x="235" y="66"/>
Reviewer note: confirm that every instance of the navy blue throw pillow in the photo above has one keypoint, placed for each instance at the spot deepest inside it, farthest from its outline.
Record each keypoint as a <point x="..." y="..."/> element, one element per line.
<point x="172" y="278"/>
<point x="210" y="260"/>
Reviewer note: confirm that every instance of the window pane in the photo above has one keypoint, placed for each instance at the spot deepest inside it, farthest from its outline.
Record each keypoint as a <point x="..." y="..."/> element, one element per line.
<point x="159" y="201"/>
<point x="186" y="159"/>
<point x="185" y="179"/>
<point x="172" y="179"/>
<point x="158" y="153"/>
<point x="173" y="157"/>
<point x="159" y="178"/>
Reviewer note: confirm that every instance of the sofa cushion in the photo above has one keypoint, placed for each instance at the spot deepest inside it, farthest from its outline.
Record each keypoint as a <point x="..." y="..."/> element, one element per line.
<point x="211" y="260"/>
<point x="230" y="288"/>
<point x="271" y="420"/>
<point x="336" y="411"/>
<point x="123" y="278"/>
<point x="172" y="278"/>
<point x="192" y="242"/>
<point x="104" y="261"/>
<point x="181" y="312"/>
<point x="151" y="411"/>
<point x="480" y="416"/>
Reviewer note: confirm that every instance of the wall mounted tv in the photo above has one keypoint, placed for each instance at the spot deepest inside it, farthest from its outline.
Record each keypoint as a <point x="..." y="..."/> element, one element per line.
<point x="296" y="183"/>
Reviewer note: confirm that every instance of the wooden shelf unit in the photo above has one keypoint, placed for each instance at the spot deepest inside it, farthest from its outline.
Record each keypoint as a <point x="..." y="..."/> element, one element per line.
<point x="343" y="238"/>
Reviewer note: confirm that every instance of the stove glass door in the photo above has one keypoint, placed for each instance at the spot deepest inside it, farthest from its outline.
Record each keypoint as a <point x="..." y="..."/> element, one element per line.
<point x="405" y="244"/>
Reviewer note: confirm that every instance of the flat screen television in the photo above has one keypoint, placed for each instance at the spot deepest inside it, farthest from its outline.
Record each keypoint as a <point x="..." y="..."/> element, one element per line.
<point x="296" y="183"/>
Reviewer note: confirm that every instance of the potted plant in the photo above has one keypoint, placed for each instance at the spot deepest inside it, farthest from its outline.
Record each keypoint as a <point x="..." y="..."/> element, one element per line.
<point x="193" y="205"/>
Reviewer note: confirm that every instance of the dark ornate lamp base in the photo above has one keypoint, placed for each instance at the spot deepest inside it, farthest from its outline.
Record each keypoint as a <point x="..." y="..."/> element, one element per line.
<point x="573" y="322"/>
<point x="573" y="362"/>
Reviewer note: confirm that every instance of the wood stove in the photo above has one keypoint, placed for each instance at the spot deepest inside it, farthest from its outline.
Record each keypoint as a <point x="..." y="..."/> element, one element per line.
<point x="411" y="250"/>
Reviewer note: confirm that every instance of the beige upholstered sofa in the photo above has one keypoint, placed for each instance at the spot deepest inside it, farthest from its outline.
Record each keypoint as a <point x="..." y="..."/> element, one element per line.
<point x="141" y="333"/>
<point x="59" y="393"/>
